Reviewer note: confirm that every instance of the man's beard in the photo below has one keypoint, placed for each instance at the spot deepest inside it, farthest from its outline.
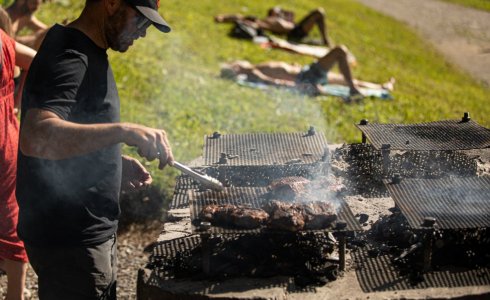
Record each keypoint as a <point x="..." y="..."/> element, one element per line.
<point x="117" y="40"/>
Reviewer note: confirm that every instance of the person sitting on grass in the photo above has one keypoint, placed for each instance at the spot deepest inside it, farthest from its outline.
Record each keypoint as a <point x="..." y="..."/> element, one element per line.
<point x="308" y="79"/>
<point x="21" y="13"/>
<point x="281" y="21"/>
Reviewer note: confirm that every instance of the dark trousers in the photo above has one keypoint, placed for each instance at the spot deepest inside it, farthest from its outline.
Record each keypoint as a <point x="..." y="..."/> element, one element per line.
<point x="83" y="272"/>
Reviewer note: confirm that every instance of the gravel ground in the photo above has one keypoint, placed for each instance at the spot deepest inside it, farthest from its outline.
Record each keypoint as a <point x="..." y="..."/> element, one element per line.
<point x="130" y="258"/>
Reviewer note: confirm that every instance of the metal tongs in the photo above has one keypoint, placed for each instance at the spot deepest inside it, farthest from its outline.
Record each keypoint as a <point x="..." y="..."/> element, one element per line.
<point x="203" y="179"/>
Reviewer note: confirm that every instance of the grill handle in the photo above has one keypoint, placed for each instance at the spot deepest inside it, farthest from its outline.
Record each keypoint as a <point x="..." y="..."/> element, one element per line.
<point x="205" y="180"/>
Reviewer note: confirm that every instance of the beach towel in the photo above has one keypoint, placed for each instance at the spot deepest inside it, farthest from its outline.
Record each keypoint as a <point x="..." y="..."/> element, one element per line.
<point x="331" y="89"/>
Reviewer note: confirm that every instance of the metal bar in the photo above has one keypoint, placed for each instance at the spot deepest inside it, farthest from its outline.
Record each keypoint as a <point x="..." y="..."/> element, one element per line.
<point x="203" y="179"/>
<point x="428" y="242"/>
<point x="206" y="253"/>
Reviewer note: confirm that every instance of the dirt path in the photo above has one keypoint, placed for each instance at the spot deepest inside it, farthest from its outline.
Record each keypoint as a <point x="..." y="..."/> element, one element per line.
<point x="461" y="34"/>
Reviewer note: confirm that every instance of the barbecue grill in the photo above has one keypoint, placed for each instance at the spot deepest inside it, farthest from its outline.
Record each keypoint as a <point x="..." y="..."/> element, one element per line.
<point x="255" y="159"/>
<point x="433" y="136"/>
<point x="254" y="197"/>
<point x="422" y="161"/>
<point x="249" y="162"/>
<point x="454" y="202"/>
<point x="424" y="150"/>
<point x="265" y="149"/>
<point x="446" y="204"/>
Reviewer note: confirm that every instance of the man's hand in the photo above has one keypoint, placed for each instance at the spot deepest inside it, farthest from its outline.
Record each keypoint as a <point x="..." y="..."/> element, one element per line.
<point x="151" y="143"/>
<point x="134" y="175"/>
<point x="43" y="130"/>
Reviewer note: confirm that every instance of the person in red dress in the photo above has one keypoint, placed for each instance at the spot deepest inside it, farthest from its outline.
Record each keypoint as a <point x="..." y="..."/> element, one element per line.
<point x="13" y="258"/>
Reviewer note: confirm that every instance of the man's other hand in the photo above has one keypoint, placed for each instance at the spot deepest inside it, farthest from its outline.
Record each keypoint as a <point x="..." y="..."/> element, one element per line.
<point x="134" y="174"/>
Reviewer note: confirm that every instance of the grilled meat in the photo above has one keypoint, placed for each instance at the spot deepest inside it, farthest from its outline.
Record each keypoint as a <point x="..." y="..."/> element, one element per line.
<point x="284" y="216"/>
<point x="318" y="215"/>
<point x="299" y="216"/>
<point x="234" y="216"/>
<point x="288" y="188"/>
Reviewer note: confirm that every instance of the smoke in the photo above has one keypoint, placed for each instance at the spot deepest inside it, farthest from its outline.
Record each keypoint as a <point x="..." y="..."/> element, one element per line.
<point x="193" y="100"/>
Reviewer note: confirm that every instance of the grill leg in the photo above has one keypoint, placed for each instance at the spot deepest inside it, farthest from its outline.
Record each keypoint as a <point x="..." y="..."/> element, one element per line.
<point x="342" y="244"/>
<point x="428" y="242"/>
<point x="364" y="122"/>
<point x="386" y="161"/>
<point x="206" y="254"/>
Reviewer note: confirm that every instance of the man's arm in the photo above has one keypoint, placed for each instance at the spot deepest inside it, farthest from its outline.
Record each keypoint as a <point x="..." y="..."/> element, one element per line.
<point x="45" y="135"/>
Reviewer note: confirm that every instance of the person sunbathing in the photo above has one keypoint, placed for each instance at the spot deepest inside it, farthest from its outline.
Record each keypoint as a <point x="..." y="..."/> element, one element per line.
<point x="308" y="79"/>
<point x="280" y="21"/>
<point x="21" y="13"/>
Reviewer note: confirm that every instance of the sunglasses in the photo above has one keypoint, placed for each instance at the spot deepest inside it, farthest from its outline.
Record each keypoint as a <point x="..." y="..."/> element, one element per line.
<point x="141" y="22"/>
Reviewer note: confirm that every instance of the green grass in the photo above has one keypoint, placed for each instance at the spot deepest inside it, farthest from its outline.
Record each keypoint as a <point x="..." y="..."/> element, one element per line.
<point x="171" y="80"/>
<point x="478" y="4"/>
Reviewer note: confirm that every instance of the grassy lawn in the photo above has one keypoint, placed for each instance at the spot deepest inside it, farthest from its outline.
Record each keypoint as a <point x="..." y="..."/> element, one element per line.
<point x="478" y="4"/>
<point x="171" y="80"/>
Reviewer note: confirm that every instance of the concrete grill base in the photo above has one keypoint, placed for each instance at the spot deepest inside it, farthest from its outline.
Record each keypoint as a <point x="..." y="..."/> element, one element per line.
<point x="152" y="286"/>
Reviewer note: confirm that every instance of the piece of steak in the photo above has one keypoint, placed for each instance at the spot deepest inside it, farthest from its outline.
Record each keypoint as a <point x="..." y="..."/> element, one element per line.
<point x="284" y="216"/>
<point x="288" y="188"/>
<point x="229" y="215"/>
<point x="300" y="216"/>
<point x="318" y="214"/>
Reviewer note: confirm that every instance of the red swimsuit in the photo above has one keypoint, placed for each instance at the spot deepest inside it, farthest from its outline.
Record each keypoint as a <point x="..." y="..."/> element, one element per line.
<point x="10" y="246"/>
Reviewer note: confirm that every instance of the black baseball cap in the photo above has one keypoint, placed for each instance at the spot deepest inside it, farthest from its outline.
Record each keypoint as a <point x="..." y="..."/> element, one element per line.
<point x="149" y="9"/>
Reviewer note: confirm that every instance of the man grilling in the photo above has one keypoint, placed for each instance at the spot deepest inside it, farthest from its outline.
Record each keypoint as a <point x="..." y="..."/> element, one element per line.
<point x="70" y="167"/>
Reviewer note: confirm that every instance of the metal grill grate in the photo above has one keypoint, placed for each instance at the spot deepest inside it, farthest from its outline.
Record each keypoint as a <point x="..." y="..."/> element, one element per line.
<point x="376" y="274"/>
<point x="172" y="248"/>
<point x="252" y="197"/>
<point x="175" y="251"/>
<point x="455" y="202"/>
<point x="180" y="197"/>
<point x="440" y="135"/>
<point x="257" y="149"/>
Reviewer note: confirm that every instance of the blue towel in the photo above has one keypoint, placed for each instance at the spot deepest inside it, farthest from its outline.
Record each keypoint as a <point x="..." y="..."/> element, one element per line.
<point x="343" y="91"/>
<point x="331" y="89"/>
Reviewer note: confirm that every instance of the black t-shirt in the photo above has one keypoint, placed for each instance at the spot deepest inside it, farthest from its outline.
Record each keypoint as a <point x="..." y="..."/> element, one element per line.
<point x="72" y="201"/>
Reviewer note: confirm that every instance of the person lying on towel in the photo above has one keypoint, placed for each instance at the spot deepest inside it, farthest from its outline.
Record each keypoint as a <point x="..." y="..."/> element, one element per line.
<point x="280" y="21"/>
<point x="309" y="79"/>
